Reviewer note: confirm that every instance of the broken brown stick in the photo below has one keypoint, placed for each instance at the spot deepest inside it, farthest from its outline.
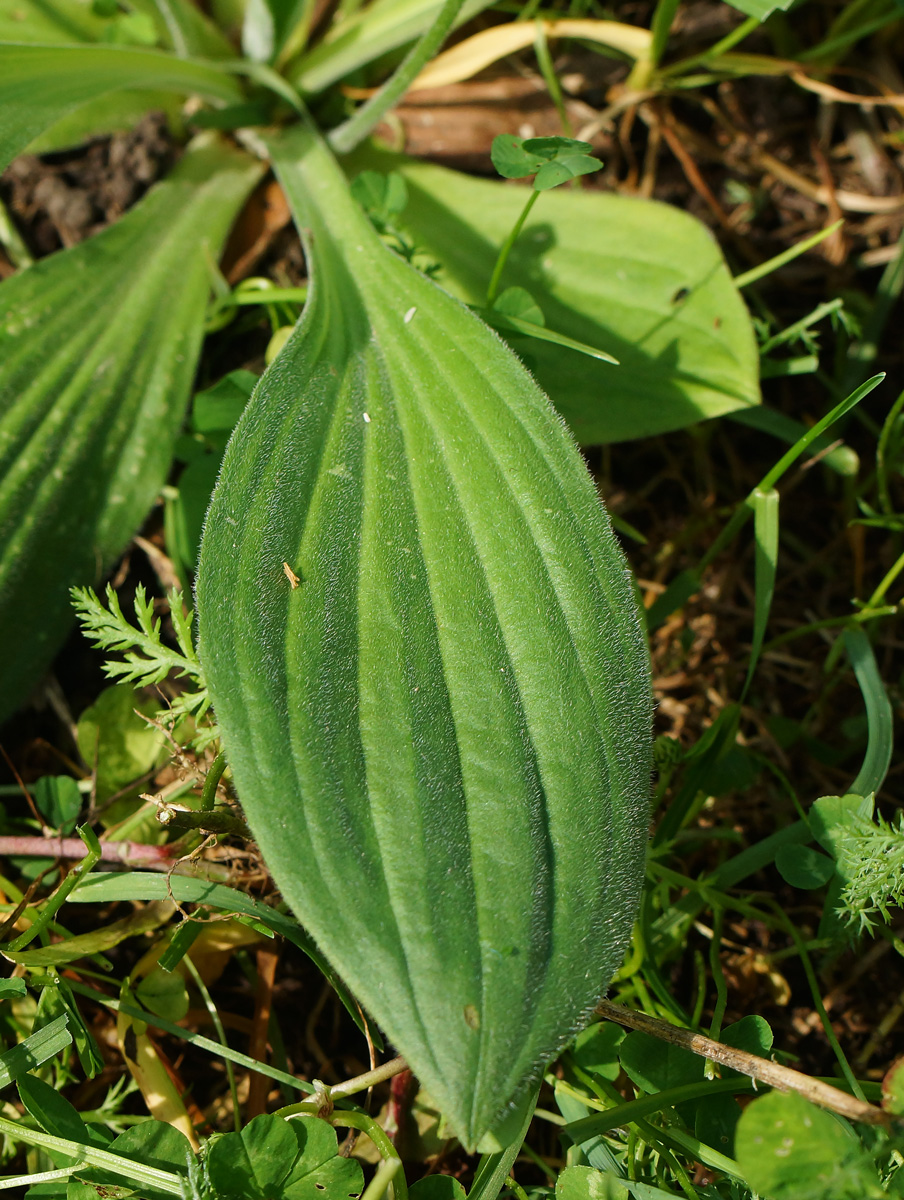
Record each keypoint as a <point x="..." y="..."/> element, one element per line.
<point x="763" y="1069"/>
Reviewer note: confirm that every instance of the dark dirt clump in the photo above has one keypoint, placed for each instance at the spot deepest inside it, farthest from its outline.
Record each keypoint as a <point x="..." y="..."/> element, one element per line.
<point x="59" y="199"/>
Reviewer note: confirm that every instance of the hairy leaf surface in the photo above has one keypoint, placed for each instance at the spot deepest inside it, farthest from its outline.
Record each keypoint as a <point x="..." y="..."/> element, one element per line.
<point x="639" y="279"/>
<point x="98" y="346"/>
<point x="41" y="84"/>
<point x="423" y="647"/>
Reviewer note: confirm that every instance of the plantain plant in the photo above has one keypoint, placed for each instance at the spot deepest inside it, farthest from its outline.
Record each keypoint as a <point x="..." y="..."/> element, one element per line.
<point x="417" y="630"/>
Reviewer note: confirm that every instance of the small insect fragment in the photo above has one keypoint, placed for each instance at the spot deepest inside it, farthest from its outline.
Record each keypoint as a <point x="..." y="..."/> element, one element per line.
<point x="409" y="315"/>
<point x="291" y="576"/>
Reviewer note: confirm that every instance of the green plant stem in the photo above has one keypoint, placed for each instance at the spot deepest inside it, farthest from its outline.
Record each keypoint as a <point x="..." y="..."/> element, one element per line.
<point x="515" y="1187"/>
<point x="882" y="465"/>
<point x="366" y="1124"/>
<point x="345" y="137"/>
<point x="55" y="902"/>
<point x="296" y="295"/>
<point x="772" y="264"/>
<point x="721" y="47"/>
<point x="548" y="71"/>
<point x="688" y="582"/>
<point x="655" y="1138"/>
<point x="297" y="39"/>
<point x="791" y="332"/>
<point x="715" y="964"/>
<point x="660" y="28"/>
<point x="506" y="248"/>
<point x="221" y="1034"/>
<point x="383" y="1179"/>
<point x="27" y="1181"/>
<point x="813" y="982"/>
<point x="867" y="614"/>
<point x="863" y="353"/>
<point x="360" y="1083"/>
<point x="887" y="580"/>
<point x="642" y="74"/>
<point x="771" y="478"/>
<point x="211" y="781"/>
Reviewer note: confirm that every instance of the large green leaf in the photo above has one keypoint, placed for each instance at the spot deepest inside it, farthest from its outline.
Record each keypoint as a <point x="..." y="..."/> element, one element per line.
<point x="41" y="84"/>
<point x="424" y="651"/>
<point x="639" y="279"/>
<point x="98" y="346"/>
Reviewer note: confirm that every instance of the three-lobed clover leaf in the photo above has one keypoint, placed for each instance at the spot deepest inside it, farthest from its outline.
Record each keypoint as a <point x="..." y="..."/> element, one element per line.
<point x="290" y="1160"/>
<point x="551" y="160"/>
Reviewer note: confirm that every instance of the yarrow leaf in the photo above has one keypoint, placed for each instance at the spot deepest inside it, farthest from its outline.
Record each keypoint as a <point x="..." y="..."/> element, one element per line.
<point x="147" y="660"/>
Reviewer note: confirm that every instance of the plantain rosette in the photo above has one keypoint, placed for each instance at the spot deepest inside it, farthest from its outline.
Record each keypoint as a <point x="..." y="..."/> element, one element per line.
<point x="98" y="349"/>
<point x="424" y="650"/>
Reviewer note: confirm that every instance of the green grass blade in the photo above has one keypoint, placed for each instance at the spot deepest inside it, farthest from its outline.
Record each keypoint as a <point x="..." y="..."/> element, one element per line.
<point x="765" y="524"/>
<point x="880" y="738"/>
<point x="164" y="1181"/>
<point x="773" y="264"/>
<point x="345" y="137"/>
<point x="143" y="885"/>
<point x="34" y="1050"/>
<point x="844" y="460"/>
<point x="96" y="941"/>
<point x="771" y="478"/>
<point x="688" y="582"/>
<point x="198" y="1040"/>
<point x="493" y="1169"/>
<point x="507" y="323"/>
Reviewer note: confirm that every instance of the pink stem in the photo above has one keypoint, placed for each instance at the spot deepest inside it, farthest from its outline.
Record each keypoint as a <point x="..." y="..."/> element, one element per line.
<point x="135" y="854"/>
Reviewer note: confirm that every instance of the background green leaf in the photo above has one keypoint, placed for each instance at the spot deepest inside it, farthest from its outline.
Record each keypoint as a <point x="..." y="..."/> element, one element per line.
<point x="461" y="655"/>
<point x="56" y="1115"/>
<point x="41" y="84"/>
<point x="51" y="21"/>
<point x="761" y="9"/>
<point x="164" y="994"/>
<point x="655" y="1065"/>
<point x="98" y="346"/>
<point x="59" y="800"/>
<point x="586" y="1183"/>
<point x="636" y="278"/>
<point x="803" y="867"/>
<point x="789" y="1149"/>
<point x="367" y="34"/>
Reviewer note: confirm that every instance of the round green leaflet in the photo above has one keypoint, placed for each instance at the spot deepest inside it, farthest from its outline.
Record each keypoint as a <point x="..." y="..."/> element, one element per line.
<point x="441" y="733"/>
